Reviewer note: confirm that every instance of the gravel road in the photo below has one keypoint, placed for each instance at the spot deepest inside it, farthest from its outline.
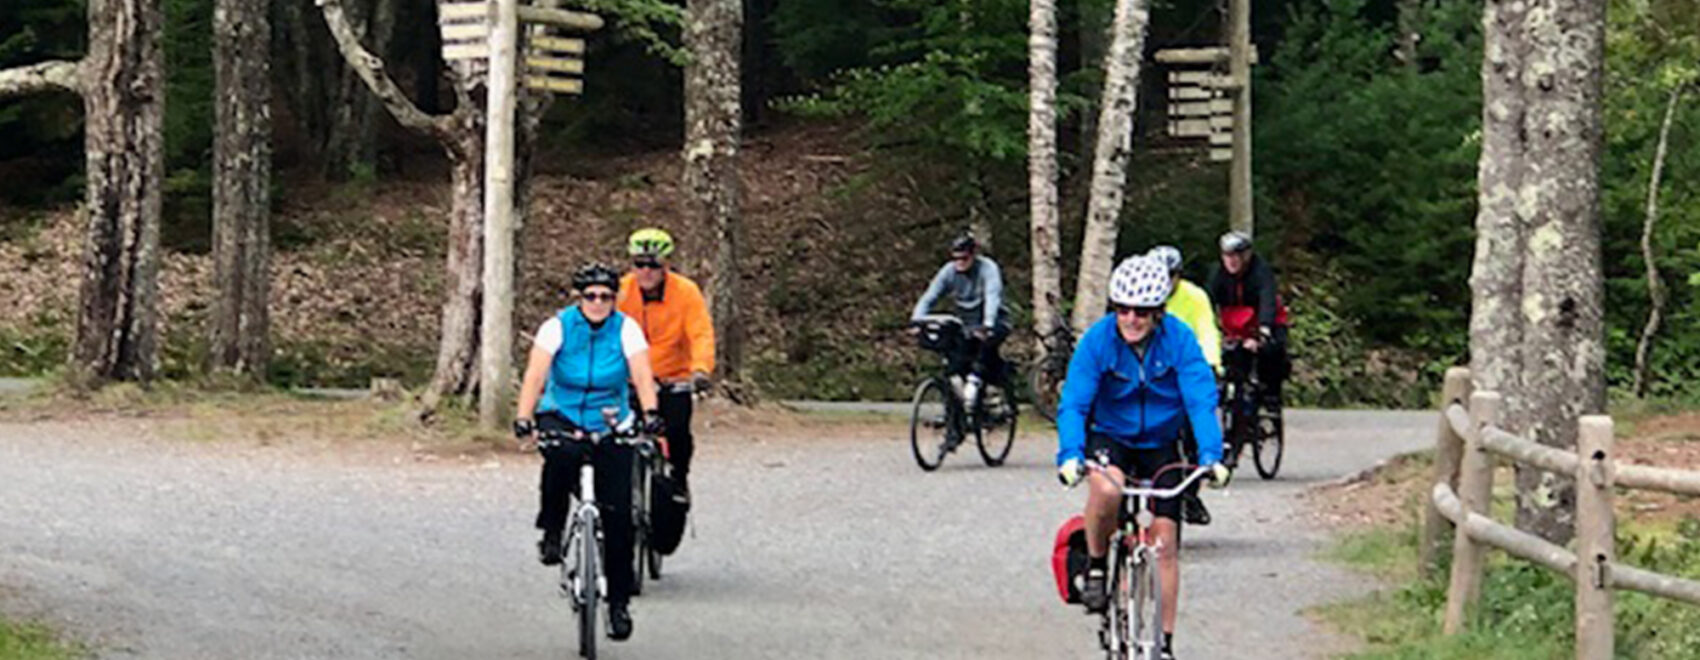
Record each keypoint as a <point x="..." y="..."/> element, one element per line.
<point x="803" y="547"/>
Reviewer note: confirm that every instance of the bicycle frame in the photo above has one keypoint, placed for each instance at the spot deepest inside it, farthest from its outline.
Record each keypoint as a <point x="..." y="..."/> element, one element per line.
<point x="1133" y="544"/>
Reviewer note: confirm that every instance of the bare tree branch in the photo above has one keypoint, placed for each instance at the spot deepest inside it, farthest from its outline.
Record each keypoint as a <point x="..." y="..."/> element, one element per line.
<point x="41" y="77"/>
<point x="371" y="69"/>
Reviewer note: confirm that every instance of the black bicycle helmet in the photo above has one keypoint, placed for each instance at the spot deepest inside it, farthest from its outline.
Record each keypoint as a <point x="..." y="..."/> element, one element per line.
<point x="595" y="274"/>
<point x="963" y="243"/>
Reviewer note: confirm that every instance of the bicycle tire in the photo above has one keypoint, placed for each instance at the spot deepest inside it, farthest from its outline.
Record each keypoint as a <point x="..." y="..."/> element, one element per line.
<point x="654" y="564"/>
<point x="1045" y="394"/>
<point x="589" y="595"/>
<point x="640" y="519"/>
<point x="922" y="415"/>
<point x="1010" y="416"/>
<point x="1151" y="620"/>
<point x="1115" y="633"/>
<point x="1270" y="432"/>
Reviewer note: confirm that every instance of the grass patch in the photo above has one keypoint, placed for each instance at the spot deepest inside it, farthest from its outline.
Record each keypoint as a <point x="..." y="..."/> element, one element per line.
<point x="1526" y="612"/>
<point x="31" y="642"/>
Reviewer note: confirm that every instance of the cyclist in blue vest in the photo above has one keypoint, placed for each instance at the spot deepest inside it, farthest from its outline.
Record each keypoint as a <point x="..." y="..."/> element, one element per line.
<point x="1136" y="377"/>
<point x="584" y="359"/>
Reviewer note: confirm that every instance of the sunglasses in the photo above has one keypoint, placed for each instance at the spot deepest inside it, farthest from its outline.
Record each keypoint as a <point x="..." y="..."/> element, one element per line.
<point x="1141" y="312"/>
<point x="598" y="297"/>
<point x="646" y="265"/>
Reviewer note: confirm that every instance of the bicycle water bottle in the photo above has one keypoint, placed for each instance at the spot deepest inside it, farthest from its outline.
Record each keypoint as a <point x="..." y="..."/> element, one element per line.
<point x="972" y="389"/>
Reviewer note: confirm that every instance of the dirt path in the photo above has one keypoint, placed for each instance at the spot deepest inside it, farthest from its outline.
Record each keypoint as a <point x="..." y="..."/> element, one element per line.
<point x="818" y="544"/>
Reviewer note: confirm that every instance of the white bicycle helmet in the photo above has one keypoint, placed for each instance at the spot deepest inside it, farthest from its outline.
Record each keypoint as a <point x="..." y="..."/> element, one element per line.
<point x="1168" y="255"/>
<point x="1236" y="241"/>
<point x="1139" y="281"/>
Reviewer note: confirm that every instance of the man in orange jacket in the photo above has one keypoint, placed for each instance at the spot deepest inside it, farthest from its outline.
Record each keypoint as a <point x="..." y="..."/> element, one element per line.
<point x="674" y="317"/>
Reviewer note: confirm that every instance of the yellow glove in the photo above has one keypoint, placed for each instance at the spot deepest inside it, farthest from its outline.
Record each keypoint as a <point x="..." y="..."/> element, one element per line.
<point x="1220" y="475"/>
<point x="1071" y="472"/>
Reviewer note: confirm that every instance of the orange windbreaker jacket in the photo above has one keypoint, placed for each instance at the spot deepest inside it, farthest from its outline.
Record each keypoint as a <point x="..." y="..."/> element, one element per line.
<point x="680" y="334"/>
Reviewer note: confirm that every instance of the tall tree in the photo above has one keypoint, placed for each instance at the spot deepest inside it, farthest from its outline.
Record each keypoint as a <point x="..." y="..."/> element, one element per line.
<point x="1109" y="165"/>
<point x="122" y="83"/>
<point x="461" y="135"/>
<point x="713" y="118"/>
<point x="1536" y="328"/>
<point x="241" y="185"/>
<point x="1042" y="167"/>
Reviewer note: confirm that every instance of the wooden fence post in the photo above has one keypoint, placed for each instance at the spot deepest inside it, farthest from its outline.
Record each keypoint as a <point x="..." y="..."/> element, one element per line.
<point x="1475" y="491"/>
<point x="1595" y="536"/>
<point x="1448" y="450"/>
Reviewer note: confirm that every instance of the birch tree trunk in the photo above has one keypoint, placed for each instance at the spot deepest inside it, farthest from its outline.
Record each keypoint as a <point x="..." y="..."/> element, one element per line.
<point x="1655" y="289"/>
<point x="713" y="118"/>
<point x="1543" y="347"/>
<point x="1109" y="165"/>
<point x="241" y="187"/>
<point x="124" y="109"/>
<point x="1042" y="167"/>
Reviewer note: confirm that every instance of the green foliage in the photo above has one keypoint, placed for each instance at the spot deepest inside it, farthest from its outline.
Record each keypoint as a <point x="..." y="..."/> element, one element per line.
<point x="30" y="642"/>
<point x="189" y="123"/>
<point x="1370" y="161"/>
<point x="943" y="80"/>
<point x="652" y="23"/>
<point x="1526" y="611"/>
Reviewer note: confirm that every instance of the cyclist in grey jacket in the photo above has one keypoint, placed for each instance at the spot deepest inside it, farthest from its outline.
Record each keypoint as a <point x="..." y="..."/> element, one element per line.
<point x="975" y="284"/>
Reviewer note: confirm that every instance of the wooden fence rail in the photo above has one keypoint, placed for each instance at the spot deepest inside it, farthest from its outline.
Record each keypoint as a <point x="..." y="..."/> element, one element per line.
<point x="1466" y="448"/>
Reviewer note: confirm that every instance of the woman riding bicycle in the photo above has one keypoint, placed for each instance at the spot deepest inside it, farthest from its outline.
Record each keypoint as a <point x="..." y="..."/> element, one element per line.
<point x="1135" y="377"/>
<point x="584" y="359"/>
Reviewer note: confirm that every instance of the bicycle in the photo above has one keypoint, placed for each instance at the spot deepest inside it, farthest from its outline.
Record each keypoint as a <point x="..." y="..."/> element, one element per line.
<point x="651" y="463"/>
<point x="582" y="581"/>
<point x="1045" y="376"/>
<point x="1245" y="420"/>
<point x="1132" y="624"/>
<point x="939" y="406"/>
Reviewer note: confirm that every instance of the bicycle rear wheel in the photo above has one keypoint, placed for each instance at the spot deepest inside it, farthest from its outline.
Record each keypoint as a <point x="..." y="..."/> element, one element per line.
<point x="930" y="424"/>
<point x="996" y="440"/>
<point x="640" y="518"/>
<point x="588" y="594"/>
<point x="1270" y="444"/>
<point x="1046" y="392"/>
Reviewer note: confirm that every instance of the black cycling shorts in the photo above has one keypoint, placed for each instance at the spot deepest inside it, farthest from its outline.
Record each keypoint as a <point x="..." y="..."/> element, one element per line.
<point x="1142" y="464"/>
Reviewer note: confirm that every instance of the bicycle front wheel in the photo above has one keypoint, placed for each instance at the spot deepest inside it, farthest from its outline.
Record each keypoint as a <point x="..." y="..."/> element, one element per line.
<point x="640" y="519"/>
<point x="1147" y="607"/>
<point x="996" y="438"/>
<point x="589" y="594"/>
<point x="1271" y="444"/>
<point x="930" y="424"/>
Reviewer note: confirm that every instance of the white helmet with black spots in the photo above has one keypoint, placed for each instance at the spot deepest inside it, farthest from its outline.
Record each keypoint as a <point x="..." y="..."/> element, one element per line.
<point x="1139" y="281"/>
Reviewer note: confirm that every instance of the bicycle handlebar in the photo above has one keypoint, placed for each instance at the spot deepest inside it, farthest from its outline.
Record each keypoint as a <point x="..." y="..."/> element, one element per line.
<point x="1199" y="471"/>
<point x="621" y="432"/>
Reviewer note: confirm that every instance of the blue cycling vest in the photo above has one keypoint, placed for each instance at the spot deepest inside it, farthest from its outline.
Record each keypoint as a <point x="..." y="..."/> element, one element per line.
<point x="589" y="372"/>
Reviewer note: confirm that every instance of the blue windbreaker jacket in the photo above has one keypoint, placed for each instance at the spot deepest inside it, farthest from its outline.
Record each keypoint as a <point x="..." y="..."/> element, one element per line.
<point x="1139" y="403"/>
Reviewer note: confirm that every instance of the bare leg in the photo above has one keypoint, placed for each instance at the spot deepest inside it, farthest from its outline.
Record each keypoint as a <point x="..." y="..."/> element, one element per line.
<point x="1103" y="503"/>
<point x="1168" y="569"/>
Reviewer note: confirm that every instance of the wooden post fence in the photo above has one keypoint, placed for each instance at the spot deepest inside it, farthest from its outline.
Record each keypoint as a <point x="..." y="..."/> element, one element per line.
<point x="1467" y="507"/>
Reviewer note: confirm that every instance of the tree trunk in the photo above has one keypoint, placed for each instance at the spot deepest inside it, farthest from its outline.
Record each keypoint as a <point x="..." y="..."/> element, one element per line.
<point x="461" y="135"/>
<point x="713" y="115"/>
<point x="456" y="374"/>
<point x="1109" y="166"/>
<point x="1496" y="277"/>
<point x="1538" y="233"/>
<point x="124" y="103"/>
<point x="1655" y="289"/>
<point x="241" y="187"/>
<point x="56" y="75"/>
<point x="350" y="140"/>
<point x="1042" y="168"/>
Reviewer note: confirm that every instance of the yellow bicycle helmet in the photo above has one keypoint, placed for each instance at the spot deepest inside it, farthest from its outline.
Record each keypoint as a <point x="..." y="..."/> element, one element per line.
<point x="650" y="242"/>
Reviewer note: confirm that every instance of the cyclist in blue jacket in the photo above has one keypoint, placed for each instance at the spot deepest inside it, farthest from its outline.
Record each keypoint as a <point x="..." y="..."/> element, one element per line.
<point x="1135" y="377"/>
<point x="585" y="358"/>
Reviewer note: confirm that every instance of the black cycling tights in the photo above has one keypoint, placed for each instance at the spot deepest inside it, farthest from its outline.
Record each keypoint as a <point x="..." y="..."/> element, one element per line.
<point x="613" y="464"/>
